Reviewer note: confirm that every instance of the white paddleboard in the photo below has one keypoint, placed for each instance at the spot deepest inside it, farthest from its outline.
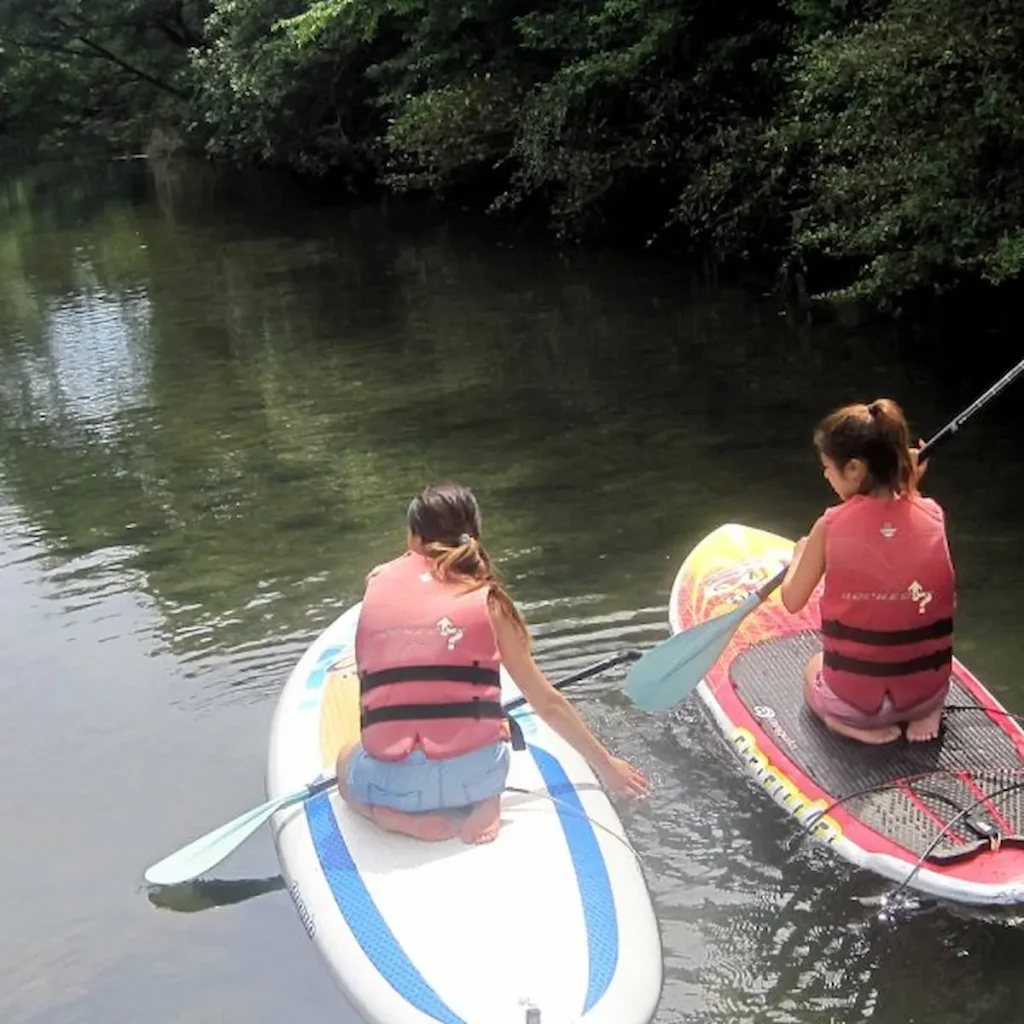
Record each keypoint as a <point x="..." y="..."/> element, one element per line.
<point x="552" y="923"/>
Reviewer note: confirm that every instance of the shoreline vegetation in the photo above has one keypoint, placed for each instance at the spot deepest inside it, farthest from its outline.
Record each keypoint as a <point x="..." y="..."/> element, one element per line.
<point x="865" y="156"/>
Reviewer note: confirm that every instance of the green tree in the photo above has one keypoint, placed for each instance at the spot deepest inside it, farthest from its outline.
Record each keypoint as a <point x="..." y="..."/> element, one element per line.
<point x="909" y="131"/>
<point x="109" y="69"/>
<point x="872" y="145"/>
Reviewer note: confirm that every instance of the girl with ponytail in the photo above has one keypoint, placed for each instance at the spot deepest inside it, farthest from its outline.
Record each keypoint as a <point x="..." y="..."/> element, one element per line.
<point x="888" y="583"/>
<point x="434" y="628"/>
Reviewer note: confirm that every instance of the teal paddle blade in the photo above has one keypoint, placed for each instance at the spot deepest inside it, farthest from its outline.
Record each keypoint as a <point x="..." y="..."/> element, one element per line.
<point x="203" y="853"/>
<point x="668" y="673"/>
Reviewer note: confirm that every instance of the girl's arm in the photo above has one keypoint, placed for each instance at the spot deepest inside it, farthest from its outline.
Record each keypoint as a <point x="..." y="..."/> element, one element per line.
<point x="806" y="568"/>
<point x="557" y="712"/>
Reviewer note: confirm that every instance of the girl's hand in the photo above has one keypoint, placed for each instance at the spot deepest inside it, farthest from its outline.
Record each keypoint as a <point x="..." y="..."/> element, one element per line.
<point x="806" y="568"/>
<point x="917" y="469"/>
<point x="622" y="778"/>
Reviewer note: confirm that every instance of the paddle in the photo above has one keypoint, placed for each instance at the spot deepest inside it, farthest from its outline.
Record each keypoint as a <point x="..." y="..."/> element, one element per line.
<point x="208" y="850"/>
<point x="669" y="672"/>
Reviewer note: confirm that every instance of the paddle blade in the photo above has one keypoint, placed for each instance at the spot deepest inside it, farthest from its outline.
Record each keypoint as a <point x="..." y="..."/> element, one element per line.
<point x="670" y="672"/>
<point x="203" y="853"/>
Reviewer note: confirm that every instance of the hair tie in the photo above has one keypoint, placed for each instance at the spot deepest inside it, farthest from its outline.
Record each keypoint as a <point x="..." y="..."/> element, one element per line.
<point x="465" y="538"/>
<point x="874" y="410"/>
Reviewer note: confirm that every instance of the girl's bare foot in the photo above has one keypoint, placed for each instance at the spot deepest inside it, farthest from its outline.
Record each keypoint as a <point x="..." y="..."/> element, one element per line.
<point x="483" y="822"/>
<point x="926" y="728"/>
<point x="885" y="734"/>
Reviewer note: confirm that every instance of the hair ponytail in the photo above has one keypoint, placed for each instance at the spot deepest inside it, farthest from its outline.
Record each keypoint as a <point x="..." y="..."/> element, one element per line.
<point x="893" y="432"/>
<point x="878" y="435"/>
<point x="446" y="519"/>
<point x="468" y="564"/>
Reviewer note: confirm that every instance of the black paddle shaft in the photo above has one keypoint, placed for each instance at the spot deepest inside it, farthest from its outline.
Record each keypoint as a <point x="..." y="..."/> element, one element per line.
<point x="943" y="435"/>
<point x="958" y="421"/>
<point x="583" y="673"/>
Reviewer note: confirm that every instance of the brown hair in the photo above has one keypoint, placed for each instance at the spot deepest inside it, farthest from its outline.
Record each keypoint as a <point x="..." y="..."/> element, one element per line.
<point x="877" y="434"/>
<point x="446" y="518"/>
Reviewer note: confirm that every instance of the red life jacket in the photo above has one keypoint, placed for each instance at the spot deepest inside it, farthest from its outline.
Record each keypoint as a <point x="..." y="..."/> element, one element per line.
<point x="888" y="602"/>
<point x="428" y="665"/>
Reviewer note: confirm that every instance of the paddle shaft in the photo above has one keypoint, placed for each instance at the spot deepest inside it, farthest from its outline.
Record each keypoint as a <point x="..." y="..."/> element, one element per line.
<point x="584" y="673"/>
<point x="929" y="446"/>
<point x="958" y="421"/>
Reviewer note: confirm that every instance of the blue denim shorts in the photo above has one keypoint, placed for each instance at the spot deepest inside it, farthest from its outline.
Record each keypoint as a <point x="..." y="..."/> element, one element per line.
<point x="419" y="784"/>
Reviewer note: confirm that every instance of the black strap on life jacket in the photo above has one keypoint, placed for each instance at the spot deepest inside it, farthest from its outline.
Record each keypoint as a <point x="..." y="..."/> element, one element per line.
<point x="886" y="638"/>
<point x="463" y="709"/>
<point x="457" y="709"/>
<point x="941" y="659"/>
<point x="518" y="740"/>
<point x="429" y="673"/>
<point x="475" y="708"/>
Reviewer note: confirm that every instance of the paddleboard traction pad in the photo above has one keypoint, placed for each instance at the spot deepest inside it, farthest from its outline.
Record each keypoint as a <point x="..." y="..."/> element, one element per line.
<point x="972" y="758"/>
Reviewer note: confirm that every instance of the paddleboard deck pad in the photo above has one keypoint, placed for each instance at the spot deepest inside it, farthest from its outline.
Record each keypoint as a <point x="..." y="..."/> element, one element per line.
<point x="552" y="923"/>
<point x="945" y="817"/>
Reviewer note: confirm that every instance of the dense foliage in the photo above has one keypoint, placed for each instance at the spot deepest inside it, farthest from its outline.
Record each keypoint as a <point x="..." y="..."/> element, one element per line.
<point x="869" y="148"/>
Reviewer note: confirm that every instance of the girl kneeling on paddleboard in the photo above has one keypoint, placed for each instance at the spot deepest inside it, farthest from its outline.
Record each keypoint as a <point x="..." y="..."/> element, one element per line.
<point x="889" y="587"/>
<point x="434" y="627"/>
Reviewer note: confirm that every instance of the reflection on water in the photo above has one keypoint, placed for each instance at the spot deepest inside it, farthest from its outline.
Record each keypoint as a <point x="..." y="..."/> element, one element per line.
<point x="207" y="893"/>
<point x="215" y="403"/>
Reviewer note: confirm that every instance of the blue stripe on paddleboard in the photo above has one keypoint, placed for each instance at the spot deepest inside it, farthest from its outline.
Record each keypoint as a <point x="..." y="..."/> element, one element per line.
<point x="591" y="876"/>
<point x="363" y="917"/>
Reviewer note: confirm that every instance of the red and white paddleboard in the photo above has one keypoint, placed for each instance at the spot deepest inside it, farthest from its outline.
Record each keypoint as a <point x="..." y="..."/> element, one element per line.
<point x="944" y="817"/>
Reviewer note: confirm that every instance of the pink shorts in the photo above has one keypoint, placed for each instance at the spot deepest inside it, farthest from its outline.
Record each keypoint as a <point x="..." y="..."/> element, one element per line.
<point x="824" y="703"/>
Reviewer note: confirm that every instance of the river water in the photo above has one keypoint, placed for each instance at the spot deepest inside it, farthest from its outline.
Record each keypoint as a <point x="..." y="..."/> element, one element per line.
<point x="215" y="402"/>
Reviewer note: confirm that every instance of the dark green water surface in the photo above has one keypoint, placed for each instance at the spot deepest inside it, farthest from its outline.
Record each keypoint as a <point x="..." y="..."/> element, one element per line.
<point x="215" y="403"/>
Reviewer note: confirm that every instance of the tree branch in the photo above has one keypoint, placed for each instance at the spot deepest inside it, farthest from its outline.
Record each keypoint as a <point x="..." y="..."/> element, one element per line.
<point x="22" y="44"/>
<point x="102" y="51"/>
<point x="137" y="72"/>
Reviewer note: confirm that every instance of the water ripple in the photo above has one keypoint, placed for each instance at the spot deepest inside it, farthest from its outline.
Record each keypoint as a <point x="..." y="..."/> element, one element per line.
<point x="210" y="426"/>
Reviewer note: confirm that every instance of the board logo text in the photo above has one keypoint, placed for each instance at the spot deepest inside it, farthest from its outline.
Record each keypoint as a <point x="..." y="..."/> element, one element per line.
<point x="783" y="790"/>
